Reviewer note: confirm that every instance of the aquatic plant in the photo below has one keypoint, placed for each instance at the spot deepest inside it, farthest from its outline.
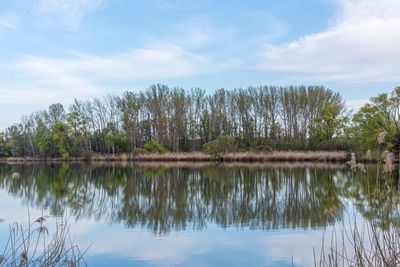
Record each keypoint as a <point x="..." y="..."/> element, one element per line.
<point x="376" y="241"/>
<point x="381" y="138"/>
<point x="389" y="160"/>
<point x="366" y="245"/>
<point x="354" y="166"/>
<point x="28" y="246"/>
<point x="368" y="155"/>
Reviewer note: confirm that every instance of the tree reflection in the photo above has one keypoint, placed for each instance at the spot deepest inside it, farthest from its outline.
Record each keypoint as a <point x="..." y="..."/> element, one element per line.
<point x="168" y="198"/>
<point x="375" y="195"/>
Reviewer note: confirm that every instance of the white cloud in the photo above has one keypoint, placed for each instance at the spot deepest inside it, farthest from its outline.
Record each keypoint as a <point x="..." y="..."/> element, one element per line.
<point x="9" y="21"/>
<point x="356" y="104"/>
<point x="156" y="62"/>
<point x="197" y="31"/>
<point x="353" y="11"/>
<point x="362" y="45"/>
<point x="60" y="13"/>
<point x="45" y="80"/>
<point x="42" y="94"/>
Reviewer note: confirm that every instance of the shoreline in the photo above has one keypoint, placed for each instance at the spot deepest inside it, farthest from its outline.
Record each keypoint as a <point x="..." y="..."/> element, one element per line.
<point x="193" y="164"/>
<point x="276" y="156"/>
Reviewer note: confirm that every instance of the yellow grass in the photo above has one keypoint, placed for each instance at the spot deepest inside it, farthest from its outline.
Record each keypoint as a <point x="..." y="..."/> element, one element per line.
<point x="276" y="156"/>
<point x="315" y="156"/>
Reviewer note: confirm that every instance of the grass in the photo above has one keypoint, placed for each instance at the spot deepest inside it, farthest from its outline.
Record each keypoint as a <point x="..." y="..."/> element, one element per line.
<point x="32" y="246"/>
<point x="374" y="242"/>
<point x="248" y="165"/>
<point x="276" y="156"/>
<point x="367" y="245"/>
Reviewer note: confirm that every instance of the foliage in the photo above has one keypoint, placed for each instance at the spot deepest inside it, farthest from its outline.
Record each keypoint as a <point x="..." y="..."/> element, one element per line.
<point x="395" y="143"/>
<point x="262" y="118"/>
<point x="262" y="148"/>
<point x="219" y="146"/>
<point x="59" y="138"/>
<point x="154" y="146"/>
<point x="110" y="141"/>
<point x="329" y="124"/>
<point x="44" y="140"/>
<point x="139" y="151"/>
<point x="382" y="114"/>
<point x="76" y="133"/>
<point x="31" y="246"/>
<point x="4" y="149"/>
<point x="257" y="144"/>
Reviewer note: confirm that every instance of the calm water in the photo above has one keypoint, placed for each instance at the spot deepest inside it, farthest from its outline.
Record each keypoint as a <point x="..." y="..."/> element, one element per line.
<point x="193" y="215"/>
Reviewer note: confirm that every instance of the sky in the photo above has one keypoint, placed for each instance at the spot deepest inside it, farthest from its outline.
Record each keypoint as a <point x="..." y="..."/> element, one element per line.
<point x="58" y="50"/>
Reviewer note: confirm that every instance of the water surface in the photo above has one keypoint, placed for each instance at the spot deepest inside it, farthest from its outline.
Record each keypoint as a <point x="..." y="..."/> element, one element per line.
<point x="192" y="214"/>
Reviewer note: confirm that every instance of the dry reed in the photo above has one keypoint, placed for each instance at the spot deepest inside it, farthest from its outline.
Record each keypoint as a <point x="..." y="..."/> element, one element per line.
<point x="29" y="247"/>
<point x="381" y="138"/>
<point x="366" y="245"/>
<point x="247" y="165"/>
<point x="310" y="156"/>
<point x="368" y="156"/>
<point x="389" y="160"/>
<point x="301" y="156"/>
<point x="354" y="166"/>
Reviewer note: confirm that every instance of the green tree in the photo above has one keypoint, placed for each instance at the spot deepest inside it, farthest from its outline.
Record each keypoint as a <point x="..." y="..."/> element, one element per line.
<point x="44" y="140"/>
<point x="4" y="148"/>
<point x="330" y="124"/>
<point x="56" y="113"/>
<point x="382" y="114"/>
<point x="130" y="105"/>
<point x="60" y="139"/>
<point x="110" y="142"/>
<point x="16" y="140"/>
<point x="280" y="117"/>
<point x="76" y="126"/>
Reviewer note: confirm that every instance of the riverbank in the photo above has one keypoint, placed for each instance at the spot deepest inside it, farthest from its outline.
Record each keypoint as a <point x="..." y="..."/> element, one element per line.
<point x="276" y="156"/>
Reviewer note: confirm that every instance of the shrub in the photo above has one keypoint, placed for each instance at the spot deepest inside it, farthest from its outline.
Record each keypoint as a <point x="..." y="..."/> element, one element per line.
<point x="138" y="151"/>
<point x="219" y="146"/>
<point x="263" y="148"/>
<point x="153" y="146"/>
<point x="22" y="247"/>
<point x="395" y="144"/>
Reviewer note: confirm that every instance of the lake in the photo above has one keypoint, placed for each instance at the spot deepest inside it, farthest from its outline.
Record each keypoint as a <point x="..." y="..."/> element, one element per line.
<point x="194" y="214"/>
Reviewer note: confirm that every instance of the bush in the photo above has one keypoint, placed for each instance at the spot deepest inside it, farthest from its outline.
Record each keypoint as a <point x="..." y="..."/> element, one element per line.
<point x="122" y="143"/>
<point x="153" y="146"/>
<point x="263" y="148"/>
<point x="259" y="144"/>
<point x="138" y="151"/>
<point x="216" y="148"/>
<point x="395" y="144"/>
<point x="4" y="152"/>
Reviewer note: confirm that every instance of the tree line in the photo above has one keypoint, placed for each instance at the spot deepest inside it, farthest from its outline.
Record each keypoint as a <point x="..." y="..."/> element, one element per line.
<point x="255" y="118"/>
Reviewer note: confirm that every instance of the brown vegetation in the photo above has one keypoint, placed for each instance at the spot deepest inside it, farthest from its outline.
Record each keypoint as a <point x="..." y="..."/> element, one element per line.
<point x="231" y="164"/>
<point x="280" y="156"/>
<point x="362" y="245"/>
<point x="31" y="246"/>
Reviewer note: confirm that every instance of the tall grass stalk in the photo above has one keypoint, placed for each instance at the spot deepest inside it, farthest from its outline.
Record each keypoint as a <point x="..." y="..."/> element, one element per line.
<point x="30" y="246"/>
<point x="366" y="245"/>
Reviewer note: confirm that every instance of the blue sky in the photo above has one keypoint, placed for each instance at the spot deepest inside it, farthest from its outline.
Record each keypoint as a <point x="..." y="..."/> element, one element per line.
<point x="58" y="50"/>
